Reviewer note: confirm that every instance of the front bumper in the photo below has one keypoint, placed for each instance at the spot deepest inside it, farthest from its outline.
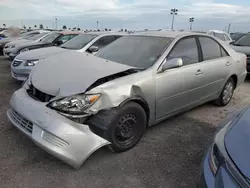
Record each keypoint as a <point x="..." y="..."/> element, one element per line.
<point x="69" y="141"/>
<point x="1" y="49"/>
<point x="20" y="72"/>
<point x="9" y="53"/>
<point x="222" y="178"/>
<point x="248" y="64"/>
<point x="12" y="56"/>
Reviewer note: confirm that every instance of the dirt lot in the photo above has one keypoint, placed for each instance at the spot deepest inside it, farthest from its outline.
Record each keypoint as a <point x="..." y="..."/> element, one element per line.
<point x="169" y="155"/>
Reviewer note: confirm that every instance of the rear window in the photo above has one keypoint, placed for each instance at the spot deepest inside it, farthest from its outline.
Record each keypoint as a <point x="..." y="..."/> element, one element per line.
<point x="50" y="38"/>
<point x="38" y="36"/>
<point x="219" y="36"/>
<point x="79" y="41"/>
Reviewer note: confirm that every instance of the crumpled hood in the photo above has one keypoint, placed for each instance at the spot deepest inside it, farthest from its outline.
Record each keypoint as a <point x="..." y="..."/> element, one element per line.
<point x="71" y="73"/>
<point x="242" y="49"/>
<point x="237" y="143"/>
<point x="40" y="53"/>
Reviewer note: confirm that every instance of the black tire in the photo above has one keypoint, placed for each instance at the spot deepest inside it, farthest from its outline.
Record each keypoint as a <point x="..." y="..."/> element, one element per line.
<point x="221" y="100"/>
<point x="133" y="117"/>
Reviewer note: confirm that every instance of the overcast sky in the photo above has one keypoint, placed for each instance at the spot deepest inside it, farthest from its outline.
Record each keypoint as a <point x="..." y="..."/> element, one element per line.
<point x="130" y="14"/>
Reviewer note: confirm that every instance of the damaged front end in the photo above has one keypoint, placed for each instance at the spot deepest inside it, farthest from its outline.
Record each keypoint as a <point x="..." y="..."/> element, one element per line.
<point x="80" y="107"/>
<point x="75" y="111"/>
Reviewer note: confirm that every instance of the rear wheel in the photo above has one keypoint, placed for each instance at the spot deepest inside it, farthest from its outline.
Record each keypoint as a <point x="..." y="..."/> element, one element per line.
<point x="226" y="94"/>
<point x="127" y="127"/>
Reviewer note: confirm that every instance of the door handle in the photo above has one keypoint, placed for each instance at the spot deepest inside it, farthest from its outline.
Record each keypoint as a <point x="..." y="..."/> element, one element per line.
<point x="198" y="72"/>
<point x="228" y="63"/>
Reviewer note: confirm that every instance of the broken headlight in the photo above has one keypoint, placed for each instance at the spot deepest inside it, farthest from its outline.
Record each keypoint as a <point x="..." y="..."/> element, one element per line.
<point x="75" y="104"/>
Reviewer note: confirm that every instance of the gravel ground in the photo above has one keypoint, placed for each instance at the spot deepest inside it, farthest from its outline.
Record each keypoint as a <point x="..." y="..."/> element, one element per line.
<point x="169" y="155"/>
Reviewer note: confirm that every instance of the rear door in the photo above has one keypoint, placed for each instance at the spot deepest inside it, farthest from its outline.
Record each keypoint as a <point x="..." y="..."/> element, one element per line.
<point x="216" y="66"/>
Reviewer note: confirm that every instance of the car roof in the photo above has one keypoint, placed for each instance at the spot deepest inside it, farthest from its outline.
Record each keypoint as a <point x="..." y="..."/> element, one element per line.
<point x="106" y="33"/>
<point x="69" y="32"/>
<point x="168" y="34"/>
<point x="217" y="31"/>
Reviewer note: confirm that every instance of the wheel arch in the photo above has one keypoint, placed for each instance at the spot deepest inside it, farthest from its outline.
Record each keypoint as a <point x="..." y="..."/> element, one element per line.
<point x="235" y="79"/>
<point x="139" y="100"/>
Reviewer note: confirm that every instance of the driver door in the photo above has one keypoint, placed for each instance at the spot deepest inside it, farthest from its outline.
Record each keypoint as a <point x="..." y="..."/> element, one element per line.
<point x="179" y="88"/>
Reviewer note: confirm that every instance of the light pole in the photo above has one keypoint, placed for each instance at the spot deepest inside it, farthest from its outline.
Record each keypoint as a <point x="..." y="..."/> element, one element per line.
<point x="191" y="20"/>
<point x="173" y="12"/>
<point x="229" y="27"/>
<point x="97" y="25"/>
<point x="56" y="23"/>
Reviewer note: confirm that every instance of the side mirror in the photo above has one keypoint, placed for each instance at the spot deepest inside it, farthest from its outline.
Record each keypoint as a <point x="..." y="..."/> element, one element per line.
<point x="172" y="63"/>
<point x="93" y="49"/>
<point x="58" y="43"/>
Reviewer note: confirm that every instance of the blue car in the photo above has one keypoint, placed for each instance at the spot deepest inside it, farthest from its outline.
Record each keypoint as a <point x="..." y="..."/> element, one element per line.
<point x="227" y="162"/>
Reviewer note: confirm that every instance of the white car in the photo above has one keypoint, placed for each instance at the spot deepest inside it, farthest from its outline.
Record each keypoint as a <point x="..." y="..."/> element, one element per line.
<point x="220" y="35"/>
<point x="89" y="42"/>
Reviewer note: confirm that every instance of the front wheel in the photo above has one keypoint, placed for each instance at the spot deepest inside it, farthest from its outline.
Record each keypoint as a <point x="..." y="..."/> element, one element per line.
<point x="127" y="127"/>
<point x="226" y="94"/>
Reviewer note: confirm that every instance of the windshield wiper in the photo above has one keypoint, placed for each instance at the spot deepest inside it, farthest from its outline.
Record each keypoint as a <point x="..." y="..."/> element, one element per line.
<point x="137" y="69"/>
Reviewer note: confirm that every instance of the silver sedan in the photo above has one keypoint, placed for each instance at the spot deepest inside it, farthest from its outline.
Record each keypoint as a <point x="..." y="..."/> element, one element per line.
<point x="74" y="103"/>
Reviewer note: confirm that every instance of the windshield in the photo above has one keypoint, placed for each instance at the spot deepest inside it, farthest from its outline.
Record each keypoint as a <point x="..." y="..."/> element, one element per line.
<point x="243" y="41"/>
<point x="79" y="41"/>
<point x="236" y="36"/>
<point x="50" y="38"/>
<point x="137" y="51"/>
<point x="38" y="36"/>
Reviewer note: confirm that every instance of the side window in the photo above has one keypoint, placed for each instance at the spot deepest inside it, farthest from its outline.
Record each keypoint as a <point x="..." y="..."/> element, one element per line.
<point x="210" y="48"/>
<point x="219" y="36"/>
<point x="104" y="41"/>
<point x="187" y="50"/>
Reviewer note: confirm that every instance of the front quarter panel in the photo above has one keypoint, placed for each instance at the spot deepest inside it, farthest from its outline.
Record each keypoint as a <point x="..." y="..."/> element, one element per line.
<point x="116" y="92"/>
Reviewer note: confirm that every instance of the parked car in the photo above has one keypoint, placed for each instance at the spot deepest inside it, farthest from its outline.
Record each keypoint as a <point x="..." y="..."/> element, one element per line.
<point x="36" y="38"/>
<point x="91" y="42"/>
<point x="236" y="36"/>
<point x="74" y="103"/>
<point x="226" y="163"/>
<point x="242" y="45"/>
<point x="53" y="39"/>
<point x="10" y="38"/>
<point x="220" y="35"/>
